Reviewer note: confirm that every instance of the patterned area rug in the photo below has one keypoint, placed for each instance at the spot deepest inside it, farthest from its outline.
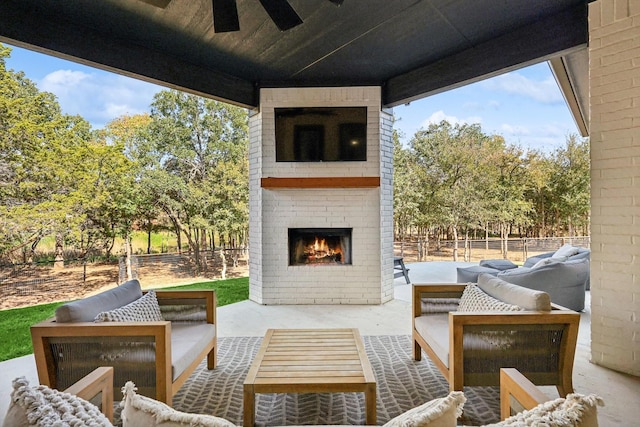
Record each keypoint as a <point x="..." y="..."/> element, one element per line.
<point x="402" y="384"/>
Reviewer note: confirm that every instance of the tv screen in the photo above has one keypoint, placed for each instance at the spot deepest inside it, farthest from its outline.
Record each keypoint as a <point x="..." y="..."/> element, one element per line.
<point x="321" y="134"/>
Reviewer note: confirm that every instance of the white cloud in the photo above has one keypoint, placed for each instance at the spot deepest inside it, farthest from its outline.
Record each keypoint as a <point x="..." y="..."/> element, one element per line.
<point x="481" y="106"/>
<point x="99" y="97"/>
<point x="63" y="81"/>
<point x="472" y="105"/>
<point x="514" y="130"/>
<point x="553" y="131"/>
<point x="545" y="91"/>
<point x="440" y="115"/>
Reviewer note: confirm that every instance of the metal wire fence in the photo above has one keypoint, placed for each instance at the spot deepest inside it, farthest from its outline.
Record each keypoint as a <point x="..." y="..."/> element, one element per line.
<point x="518" y="249"/>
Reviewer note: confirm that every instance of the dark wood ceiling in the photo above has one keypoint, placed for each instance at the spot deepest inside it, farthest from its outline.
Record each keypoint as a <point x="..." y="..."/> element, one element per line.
<point x="411" y="48"/>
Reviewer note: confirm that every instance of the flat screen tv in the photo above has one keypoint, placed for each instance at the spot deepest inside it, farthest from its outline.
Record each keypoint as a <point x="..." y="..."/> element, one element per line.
<point x="321" y="134"/>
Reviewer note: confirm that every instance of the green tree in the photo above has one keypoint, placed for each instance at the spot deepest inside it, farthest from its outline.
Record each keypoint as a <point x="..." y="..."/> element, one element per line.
<point x="507" y="196"/>
<point x="451" y="158"/>
<point x="40" y="162"/>
<point x="570" y="185"/>
<point x="131" y="134"/>
<point x="200" y="173"/>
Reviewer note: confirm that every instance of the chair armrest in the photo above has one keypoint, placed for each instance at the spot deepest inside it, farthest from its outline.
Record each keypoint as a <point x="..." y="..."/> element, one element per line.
<point x="514" y="385"/>
<point x="527" y="323"/>
<point x="434" y="290"/>
<point x="98" y="382"/>
<point x="191" y="297"/>
<point x="44" y="332"/>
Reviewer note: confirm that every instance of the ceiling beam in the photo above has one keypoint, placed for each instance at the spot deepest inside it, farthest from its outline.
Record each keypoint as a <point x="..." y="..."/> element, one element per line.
<point x="525" y="46"/>
<point x="54" y="35"/>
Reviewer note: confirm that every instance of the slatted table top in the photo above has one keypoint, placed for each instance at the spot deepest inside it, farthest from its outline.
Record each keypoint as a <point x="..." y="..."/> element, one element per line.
<point x="312" y="361"/>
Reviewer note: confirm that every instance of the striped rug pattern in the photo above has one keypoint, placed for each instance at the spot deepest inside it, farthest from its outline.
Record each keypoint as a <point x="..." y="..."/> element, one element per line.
<point x="402" y="384"/>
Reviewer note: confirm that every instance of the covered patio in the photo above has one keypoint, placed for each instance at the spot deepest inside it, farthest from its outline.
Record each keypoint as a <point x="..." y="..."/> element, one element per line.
<point x="249" y="319"/>
<point x="406" y="51"/>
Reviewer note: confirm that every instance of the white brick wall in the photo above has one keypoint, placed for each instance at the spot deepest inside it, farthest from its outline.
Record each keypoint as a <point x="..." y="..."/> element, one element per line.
<point x="368" y="211"/>
<point x="614" y="50"/>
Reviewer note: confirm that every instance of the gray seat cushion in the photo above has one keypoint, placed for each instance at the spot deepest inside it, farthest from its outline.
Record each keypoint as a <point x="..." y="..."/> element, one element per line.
<point x="187" y="341"/>
<point x="86" y="309"/>
<point x="470" y="274"/>
<point x="434" y="328"/>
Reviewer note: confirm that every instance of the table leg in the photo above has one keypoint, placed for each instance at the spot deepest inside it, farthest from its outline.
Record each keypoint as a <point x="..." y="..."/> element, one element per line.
<point x="370" y="405"/>
<point x="249" y="419"/>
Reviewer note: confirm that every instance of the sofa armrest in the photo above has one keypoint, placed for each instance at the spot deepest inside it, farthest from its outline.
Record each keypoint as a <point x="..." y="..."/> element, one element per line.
<point x="98" y="383"/>
<point x="517" y="392"/>
<point x="206" y="298"/>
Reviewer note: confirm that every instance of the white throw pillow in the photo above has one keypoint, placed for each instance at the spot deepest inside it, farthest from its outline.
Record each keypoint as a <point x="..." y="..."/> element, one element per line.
<point x="575" y="411"/>
<point x="566" y="250"/>
<point x="442" y="412"/>
<point x="45" y="407"/>
<point x="144" y="309"/>
<point x="143" y="411"/>
<point x="475" y="299"/>
<point x="548" y="261"/>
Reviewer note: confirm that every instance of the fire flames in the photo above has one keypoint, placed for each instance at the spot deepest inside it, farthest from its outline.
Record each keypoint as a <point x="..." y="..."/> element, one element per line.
<point x="321" y="251"/>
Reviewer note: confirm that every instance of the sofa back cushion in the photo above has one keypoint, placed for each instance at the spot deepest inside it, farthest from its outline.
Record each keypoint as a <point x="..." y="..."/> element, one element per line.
<point x="86" y="309"/>
<point x="566" y="250"/>
<point x="509" y="293"/>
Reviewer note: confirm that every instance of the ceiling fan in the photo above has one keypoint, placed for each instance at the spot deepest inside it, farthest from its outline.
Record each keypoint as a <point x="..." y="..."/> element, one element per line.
<point x="225" y="14"/>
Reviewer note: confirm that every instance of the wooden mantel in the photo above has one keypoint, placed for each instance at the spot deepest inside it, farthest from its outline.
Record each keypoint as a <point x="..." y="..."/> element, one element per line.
<point x="322" y="182"/>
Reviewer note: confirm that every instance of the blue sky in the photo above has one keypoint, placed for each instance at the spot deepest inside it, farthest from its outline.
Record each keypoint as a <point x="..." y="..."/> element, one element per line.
<point x="524" y="106"/>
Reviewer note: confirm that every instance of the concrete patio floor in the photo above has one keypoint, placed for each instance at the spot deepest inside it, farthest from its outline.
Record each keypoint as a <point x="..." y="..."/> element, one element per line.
<point x="621" y="393"/>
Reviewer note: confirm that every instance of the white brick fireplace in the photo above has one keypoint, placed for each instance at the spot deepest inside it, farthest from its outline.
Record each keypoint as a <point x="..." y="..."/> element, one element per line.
<point x="352" y="196"/>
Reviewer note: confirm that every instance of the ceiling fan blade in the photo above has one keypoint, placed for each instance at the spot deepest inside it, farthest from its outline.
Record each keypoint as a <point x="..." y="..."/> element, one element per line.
<point x="281" y="13"/>
<point x="157" y="3"/>
<point x="225" y="16"/>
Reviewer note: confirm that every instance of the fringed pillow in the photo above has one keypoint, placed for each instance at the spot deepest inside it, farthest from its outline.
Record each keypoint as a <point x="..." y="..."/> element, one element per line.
<point x="140" y="410"/>
<point x="442" y="412"/>
<point x="45" y="407"/>
<point x="576" y="410"/>
<point x="144" y="309"/>
<point x="475" y="299"/>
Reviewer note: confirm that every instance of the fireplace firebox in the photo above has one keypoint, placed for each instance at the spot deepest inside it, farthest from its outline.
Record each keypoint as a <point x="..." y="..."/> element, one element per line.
<point x="319" y="246"/>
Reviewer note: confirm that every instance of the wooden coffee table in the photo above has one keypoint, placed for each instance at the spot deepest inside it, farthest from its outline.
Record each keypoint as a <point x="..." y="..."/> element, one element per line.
<point x="310" y="361"/>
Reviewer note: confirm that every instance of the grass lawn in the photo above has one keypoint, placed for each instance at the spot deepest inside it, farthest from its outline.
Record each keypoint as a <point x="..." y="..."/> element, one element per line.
<point x="14" y="324"/>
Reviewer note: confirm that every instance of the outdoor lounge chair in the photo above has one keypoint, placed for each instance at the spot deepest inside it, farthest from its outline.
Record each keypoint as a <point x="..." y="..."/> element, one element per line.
<point x="470" y="347"/>
<point x="159" y="355"/>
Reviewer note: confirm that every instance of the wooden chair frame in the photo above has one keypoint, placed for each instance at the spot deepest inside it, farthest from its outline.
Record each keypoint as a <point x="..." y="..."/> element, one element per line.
<point x="157" y="332"/>
<point x="459" y="321"/>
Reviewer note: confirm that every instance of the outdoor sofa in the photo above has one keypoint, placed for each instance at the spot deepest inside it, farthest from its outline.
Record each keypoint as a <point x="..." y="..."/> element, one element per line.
<point x="154" y="338"/>
<point x="564" y="274"/>
<point x="470" y="331"/>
